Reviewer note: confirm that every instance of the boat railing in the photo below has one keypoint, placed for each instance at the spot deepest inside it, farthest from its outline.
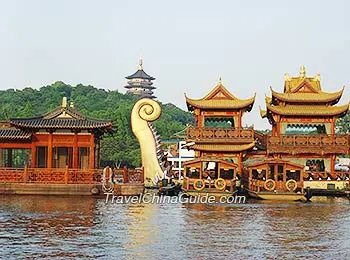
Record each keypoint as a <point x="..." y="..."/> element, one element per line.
<point x="259" y="185"/>
<point x="326" y="175"/>
<point x="65" y="175"/>
<point x="220" y="134"/>
<point x="313" y="143"/>
<point x="209" y="184"/>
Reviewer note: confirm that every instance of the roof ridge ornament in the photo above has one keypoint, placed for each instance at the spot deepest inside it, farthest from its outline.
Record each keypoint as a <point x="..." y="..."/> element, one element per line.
<point x="318" y="77"/>
<point x="64" y="102"/>
<point x="302" y="72"/>
<point x="287" y="77"/>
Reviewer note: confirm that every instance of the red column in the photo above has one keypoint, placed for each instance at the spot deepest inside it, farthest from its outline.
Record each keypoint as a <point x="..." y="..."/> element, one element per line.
<point x="75" y="151"/>
<point x="33" y="165"/>
<point x="92" y="152"/>
<point x="49" y="151"/>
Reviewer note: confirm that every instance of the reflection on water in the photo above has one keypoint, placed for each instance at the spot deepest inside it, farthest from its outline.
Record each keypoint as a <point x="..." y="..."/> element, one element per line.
<point x="87" y="228"/>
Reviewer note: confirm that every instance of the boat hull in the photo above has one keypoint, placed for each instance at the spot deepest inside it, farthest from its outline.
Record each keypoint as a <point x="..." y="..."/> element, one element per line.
<point x="209" y="192"/>
<point x="286" y="196"/>
<point x="129" y="189"/>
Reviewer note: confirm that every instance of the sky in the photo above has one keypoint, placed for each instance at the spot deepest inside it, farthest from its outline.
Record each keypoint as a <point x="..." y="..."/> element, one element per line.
<point x="186" y="45"/>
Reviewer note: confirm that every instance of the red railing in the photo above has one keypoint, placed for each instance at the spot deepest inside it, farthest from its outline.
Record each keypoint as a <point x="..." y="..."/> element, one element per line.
<point x="220" y="134"/>
<point x="65" y="175"/>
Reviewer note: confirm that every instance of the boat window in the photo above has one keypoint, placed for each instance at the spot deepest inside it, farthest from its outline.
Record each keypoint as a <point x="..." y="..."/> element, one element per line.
<point x="271" y="174"/>
<point x="192" y="172"/>
<point x="280" y="172"/>
<point x="293" y="175"/>
<point x="226" y="174"/>
<point x="258" y="174"/>
<point x="210" y="170"/>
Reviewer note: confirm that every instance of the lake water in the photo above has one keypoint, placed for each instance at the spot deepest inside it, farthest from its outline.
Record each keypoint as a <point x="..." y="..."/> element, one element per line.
<point x="48" y="227"/>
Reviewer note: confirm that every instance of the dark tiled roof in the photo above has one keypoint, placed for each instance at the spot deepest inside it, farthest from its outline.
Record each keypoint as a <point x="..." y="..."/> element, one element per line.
<point x="14" y="134"/>
<point x="60" y="123"/>
<point x="57" y="120"/>
<point x="140" y="74"/>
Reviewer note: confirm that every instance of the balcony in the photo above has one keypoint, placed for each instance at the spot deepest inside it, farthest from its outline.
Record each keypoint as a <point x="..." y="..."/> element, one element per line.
<point x="220" y="135"/>
<point x="316" y="144"/>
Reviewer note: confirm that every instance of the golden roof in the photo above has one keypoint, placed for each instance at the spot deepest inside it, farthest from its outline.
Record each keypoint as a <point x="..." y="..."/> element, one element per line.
<point x="261" y="161"/>
<point x="220" y="98"/>
<point x="293" y="84"/>
<point x="223" y="147"/>
<point x="209" y="159"/>
<point x="308" y="110"/>
<point x="319" y="96"/>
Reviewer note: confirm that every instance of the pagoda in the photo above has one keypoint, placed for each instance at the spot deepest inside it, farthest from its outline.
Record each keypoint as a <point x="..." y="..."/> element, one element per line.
<point x="140" y="83"/>
<point x="218" y="139"/>
<point x="303" y="120"/>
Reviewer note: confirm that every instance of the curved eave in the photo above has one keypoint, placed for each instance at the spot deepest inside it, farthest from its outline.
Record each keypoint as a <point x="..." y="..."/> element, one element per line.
<point x="60" y="124"/>
<point x="223" y="147"/>
<point x="227" y="104"/>
<point x="294" y="110"/>
<point x="320" y="97"/>
<point x="263" y="113"/>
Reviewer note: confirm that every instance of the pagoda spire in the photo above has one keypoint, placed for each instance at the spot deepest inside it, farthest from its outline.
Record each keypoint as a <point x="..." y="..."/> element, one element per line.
<point x="140" y="63"/>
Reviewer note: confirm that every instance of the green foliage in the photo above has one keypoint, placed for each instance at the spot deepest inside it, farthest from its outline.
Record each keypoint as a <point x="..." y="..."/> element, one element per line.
<point x="121" y="147"/>
<point x="343" y="124"/>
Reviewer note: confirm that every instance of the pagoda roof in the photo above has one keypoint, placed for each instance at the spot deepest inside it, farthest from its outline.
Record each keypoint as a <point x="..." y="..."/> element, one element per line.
<point x="223" y="147"/>
<point x="63" y="117"/>
<point x="315" y="97"/>
<point x="13" y="134"/>
<point x="307" y="110"/>
<point x="220" y="98"/>
<point x="140" y="73"/>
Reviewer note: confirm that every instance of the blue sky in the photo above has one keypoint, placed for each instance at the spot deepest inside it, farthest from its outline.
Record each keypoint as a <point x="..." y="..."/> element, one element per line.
<point x="186" y="45"/>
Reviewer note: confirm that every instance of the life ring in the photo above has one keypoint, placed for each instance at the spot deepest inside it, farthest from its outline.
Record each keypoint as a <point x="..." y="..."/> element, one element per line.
<point x="291" y="185"/>
<point x="269" y="184"/>
<point x="220" y="184"/>
<point x="198" y="184"/>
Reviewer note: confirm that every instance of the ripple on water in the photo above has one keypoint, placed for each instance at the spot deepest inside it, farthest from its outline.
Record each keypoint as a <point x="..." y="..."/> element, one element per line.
<point x="49" y="227"/>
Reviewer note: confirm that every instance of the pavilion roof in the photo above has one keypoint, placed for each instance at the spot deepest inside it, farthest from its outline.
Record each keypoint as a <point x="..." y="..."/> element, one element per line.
<point x="210" y="159"/>
<point x="307" y="110"/>
<point x="304" y="89"/>
<point x="63" y="117"/>
<point x="220" y="98"/>
<point x="14" y="134"/>
<point x="302" y="97"/>
<point x="262" y="161"/>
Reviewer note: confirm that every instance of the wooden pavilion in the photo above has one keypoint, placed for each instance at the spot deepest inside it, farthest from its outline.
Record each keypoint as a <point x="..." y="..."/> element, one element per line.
<point x="218" y="132"/>
<point x="303" y="121"/>
<point x="62" y="146"/>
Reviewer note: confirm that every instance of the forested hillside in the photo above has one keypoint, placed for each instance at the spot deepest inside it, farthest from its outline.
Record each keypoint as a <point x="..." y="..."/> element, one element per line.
<point x="98" y="103"/>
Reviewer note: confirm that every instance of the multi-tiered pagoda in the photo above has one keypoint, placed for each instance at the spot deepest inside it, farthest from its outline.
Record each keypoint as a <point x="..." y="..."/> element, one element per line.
<point x="140" y="83"/>
<point x="303" y="121"/>
<point x="219" y="141"/>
